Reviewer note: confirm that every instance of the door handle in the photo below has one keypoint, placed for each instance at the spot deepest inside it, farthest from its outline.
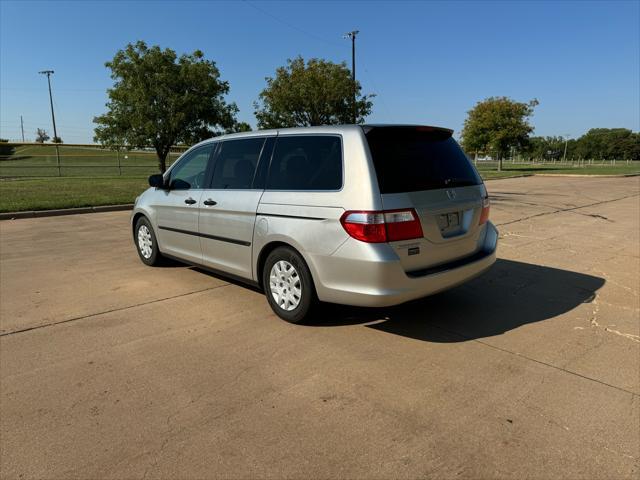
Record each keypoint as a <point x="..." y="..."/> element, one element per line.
<point x="210" y="202"/>
<point x="189" y="201"/>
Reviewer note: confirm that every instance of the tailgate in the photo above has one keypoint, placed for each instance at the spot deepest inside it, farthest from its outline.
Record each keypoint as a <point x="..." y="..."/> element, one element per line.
<point x="424" y="168"/>
<point x="450" y="224"/>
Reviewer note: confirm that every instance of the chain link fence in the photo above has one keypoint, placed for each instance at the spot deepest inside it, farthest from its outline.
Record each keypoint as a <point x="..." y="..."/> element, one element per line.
<point x="19" y="160"/>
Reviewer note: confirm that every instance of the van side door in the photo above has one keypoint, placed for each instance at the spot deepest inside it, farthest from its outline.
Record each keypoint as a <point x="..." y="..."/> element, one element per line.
<point x="229" y="204"/>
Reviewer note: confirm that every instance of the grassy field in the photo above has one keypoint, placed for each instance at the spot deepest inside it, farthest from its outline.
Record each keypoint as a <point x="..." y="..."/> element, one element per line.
<point x="75" y="161"/>
<point x="509" y="170"/>
<point x="92" y="176"/>
<point x="50" y="193"/>
<point x="19" y="194"/>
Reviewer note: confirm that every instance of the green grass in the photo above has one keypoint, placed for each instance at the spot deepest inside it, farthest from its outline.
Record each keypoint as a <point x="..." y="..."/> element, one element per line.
<point x="19" y="194"/>
<point x="75" y="161"/>
<point x="491" y="174"/>
<point x="52" y="193"/>
<point x="489" y="170"/>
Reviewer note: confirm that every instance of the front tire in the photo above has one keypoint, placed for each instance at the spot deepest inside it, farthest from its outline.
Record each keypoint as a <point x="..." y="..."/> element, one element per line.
<point x="288" y="285"/>
<point x="146" y="243"/>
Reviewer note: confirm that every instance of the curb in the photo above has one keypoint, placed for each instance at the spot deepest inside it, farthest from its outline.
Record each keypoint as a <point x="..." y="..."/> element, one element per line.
<point x="579" y="175"/>
<point x="619" y="175"/>
<point x="507" y="178"/>
<point x="64" y="211"/>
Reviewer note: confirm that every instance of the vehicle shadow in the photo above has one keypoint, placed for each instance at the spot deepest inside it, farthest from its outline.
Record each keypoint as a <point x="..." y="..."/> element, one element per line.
<point x="509" y="295"/>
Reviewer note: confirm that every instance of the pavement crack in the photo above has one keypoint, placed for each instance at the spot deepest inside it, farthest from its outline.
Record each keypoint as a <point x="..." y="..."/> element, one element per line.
<point x="540" y="362"/>
<point x="607" y="328"/>
<point x="83" y="317"/>
<point x="561" y="210"/>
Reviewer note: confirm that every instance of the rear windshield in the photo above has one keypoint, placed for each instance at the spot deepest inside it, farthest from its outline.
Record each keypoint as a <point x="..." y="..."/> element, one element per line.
<point x="411" y="159"/>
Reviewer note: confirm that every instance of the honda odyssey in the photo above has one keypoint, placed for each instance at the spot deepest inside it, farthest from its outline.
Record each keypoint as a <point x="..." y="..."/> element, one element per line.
<point x="365" y="215"/>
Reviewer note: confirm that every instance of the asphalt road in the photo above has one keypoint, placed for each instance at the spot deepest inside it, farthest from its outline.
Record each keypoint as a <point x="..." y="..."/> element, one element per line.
<point x="110" y="369"/>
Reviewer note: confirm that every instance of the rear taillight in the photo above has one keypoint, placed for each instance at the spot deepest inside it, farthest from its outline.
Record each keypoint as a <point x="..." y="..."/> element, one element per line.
<point x="382" y="226"/>
<point x="484" y="215"/>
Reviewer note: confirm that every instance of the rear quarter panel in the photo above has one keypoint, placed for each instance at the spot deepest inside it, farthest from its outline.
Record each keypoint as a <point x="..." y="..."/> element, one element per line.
<point x="309" y="221"/>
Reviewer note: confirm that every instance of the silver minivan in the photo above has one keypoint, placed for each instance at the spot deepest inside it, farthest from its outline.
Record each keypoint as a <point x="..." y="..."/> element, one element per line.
<point x="365" y="215"/>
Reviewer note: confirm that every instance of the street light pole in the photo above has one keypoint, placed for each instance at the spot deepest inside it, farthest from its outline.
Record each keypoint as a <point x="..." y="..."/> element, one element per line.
<point x="352" y="36"/>
<point x="53" y="118"/>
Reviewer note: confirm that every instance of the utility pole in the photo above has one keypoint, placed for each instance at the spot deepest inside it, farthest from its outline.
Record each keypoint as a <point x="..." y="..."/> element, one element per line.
<point x="352" y="36"/>
<point x="22" y="127"/>
<point x="566" y="141"/>
<point x="53" y="117"/>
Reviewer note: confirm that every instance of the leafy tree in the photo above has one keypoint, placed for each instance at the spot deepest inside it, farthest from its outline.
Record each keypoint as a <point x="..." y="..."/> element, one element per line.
<point x="57" y="140"/>
<point x="609" y="144"/>
<point x="318" y="92"/>
<point x="159" y="99"/>
<point x="550" y="148"/>
<point x="239" y="127"/>
<point x="497" y="124"/>
<point x="41" y="135"/>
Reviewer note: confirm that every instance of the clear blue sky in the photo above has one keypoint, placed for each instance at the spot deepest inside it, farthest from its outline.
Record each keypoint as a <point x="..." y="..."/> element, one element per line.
<point x="428" y="62"/>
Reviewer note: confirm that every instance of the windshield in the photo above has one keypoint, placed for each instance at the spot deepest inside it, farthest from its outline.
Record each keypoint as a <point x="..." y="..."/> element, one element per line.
<point x="411" y="159"/>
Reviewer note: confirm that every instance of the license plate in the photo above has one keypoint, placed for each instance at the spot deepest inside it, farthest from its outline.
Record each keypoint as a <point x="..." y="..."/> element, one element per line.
<point x="449" y="220"/>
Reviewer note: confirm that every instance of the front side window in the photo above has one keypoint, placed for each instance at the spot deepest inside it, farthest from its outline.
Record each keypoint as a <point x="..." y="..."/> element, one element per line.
<point x="236" y="163"/>
<point x="191" y="170"/>
<point x="306" y="162"/>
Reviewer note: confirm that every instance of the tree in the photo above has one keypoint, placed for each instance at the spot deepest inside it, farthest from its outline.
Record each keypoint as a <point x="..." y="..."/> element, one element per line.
<point x="318" y="92"/>
<point x="57" y="140"/>
<point x="550" y="148"/>
<point x="496" y="125"/>
<point x="41" y="135"/>
<point x="159" y="99"/>
<point x="609" y="144"/>
<point x="239" y="127"/>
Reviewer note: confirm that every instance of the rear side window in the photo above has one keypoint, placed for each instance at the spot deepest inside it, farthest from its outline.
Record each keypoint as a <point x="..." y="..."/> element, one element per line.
<point x="306" y="162"/>
<point x="236" y="163"/>
<point x="411" y="159"/>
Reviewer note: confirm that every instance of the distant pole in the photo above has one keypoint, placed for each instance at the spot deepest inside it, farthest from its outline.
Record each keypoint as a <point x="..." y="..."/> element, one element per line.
<point x="22" y="127"/>
<point x="566" y="141"/>
<point x="53" y="117"/>
<point x="352" y="36"/>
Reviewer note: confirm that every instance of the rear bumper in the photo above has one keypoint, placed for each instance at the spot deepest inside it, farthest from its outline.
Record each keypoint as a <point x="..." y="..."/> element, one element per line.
<point x="371" y="275"/>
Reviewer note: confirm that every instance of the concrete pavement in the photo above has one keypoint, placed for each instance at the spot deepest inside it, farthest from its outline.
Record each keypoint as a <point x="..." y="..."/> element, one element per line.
<point x="110" y="369"/>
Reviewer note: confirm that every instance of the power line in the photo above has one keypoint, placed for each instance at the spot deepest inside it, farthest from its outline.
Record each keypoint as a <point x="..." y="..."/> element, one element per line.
<point x="290" y="25"/>
<point x="33" y="89"/>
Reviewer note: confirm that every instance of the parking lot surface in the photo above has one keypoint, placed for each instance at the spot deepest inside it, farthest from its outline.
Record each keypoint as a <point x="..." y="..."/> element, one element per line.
<point x="110" y="369"/>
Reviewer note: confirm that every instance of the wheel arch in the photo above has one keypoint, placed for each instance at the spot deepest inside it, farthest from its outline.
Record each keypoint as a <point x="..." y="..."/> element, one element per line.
<point x="146" y="214"/>
<point x="270" y="247"/>
<point x="134" y="220"/>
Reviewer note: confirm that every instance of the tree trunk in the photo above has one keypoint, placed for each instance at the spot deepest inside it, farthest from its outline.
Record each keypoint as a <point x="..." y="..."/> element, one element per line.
<point x="162" y="159"/>
<point x="499" y="162"/>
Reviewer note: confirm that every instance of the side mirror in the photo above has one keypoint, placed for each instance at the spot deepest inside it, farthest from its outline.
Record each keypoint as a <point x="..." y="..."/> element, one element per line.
<point x="157" y="181"/>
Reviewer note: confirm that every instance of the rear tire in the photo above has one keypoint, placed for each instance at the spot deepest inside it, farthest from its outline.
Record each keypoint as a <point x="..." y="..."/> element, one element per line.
<point x="146" y="243"/>
<point x="288" y="285"/>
